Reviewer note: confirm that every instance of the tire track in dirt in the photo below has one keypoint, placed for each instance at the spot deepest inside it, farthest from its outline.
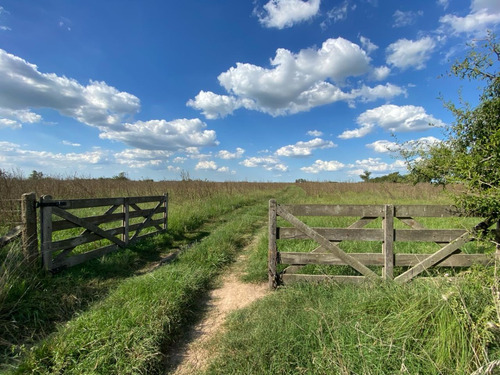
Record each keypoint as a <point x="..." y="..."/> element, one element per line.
<point x="191" y="354"/>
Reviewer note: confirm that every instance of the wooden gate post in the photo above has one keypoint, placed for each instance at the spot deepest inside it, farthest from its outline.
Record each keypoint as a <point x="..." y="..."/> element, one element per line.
<point x="388" y="245"/>
<point x="46" y="232"/>
<point x="272" y="250"/>
<point x="29" y="227"/>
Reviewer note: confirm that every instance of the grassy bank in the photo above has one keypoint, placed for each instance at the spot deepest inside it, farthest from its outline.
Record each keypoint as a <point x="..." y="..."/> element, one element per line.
<point x="419" y="328"/>
<point x="33" y="303"/>
<point x="126" y="332"/>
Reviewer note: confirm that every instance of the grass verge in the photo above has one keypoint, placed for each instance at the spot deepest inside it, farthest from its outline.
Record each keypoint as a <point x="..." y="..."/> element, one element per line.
<point x="388" y="328"/>
<point x="125" y="332"/>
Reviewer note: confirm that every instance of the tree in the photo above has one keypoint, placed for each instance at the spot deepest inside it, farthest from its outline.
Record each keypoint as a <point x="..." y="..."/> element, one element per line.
<point x="35" y="175"/>
<point x="122" y="176"/>
<point x="365" y="176"/>
<point x="471" y="153"/>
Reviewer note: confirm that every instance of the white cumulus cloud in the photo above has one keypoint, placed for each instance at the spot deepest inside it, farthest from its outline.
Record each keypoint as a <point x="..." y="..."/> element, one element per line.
<point x="301" y="149"/>
<point x="269" y="163"/>
<point x="206" y="165"/>
<point x="406" y="53"/>
<point x="24" y="87"/>
<point x="224" y="154"/>
<point x="295" y="82"/>
<point x="181" y="134"/>
<point x="285" y="13"/>
<point x="323" y="166"/>
<point x="392" y="118"/>
<point x="483" y="14"/>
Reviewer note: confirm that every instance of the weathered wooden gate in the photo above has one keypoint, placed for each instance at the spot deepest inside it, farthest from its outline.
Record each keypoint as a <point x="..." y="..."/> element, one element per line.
<point x="329" y="253"/>
<point x="102" y="233"/>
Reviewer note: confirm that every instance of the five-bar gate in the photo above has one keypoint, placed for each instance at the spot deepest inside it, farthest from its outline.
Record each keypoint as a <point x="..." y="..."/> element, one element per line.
<point x="328" y="252"/>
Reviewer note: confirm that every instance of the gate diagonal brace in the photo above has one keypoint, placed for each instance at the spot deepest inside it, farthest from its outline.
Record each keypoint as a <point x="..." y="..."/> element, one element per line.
<point x="334" y="249"/>
<point x="91" y="227"/>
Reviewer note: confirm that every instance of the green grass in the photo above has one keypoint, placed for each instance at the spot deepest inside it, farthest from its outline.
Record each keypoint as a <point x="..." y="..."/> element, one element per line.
<point x="386" y="328"/>
<point x="34" y="303"/>
<point x="126" y="332"/>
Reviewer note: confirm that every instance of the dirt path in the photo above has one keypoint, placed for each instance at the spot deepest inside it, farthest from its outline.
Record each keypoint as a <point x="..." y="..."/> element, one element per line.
<point x="191" y="355"/>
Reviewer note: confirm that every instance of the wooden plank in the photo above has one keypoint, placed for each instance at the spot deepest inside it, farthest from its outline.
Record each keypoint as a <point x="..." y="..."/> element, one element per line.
<point x="297" y="278"/>
<point x="362" y="222"/>
<point x="334" y="210"/>
<point x="377" y="259"/>
<point x="126" y="220"/>
<point x="165" y="212"/>
<point x="46" y="232"/>
<point x="388" y="245"/>
<point x="84" y="239"/>
<point x="91" y="227"/>
<point x="99" y="202"/>
<point x="72" y="242"/>
<point x="325" y="243"/>
<point x="272" y="249"/>
<point x="428" y="235"/>
<point x="153" y="198"/>
<point x="80" y="258"/>
<point x="29" y="232"/>
<point x="443" y="253"/>
<point x="425" y="211"/>
<point x="11" y="235"/>
<point x="96" y="220"/>
<point x="146" y="221"/>
<point x="333" y="234"/>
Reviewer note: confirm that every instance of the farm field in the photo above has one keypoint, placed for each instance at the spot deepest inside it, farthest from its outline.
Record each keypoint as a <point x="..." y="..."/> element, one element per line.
<point x="121" y="313"/>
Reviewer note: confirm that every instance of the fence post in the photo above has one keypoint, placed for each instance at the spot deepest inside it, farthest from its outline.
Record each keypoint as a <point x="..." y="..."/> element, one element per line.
<point x="46" y="232"/>
<point x="272" y="250"/>
<point x="126" y="220"/>
<point x="388" y="245"/>
<point x="29" y="227"/>
<point x="165" y="214"/>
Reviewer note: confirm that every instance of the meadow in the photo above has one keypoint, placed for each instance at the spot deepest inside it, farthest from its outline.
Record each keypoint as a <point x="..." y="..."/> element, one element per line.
<point x="122" y="312"/>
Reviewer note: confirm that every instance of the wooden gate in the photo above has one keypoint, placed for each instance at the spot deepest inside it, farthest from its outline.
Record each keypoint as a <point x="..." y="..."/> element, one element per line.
<point x="122" y="222"/>
<point x="329" y="253"/>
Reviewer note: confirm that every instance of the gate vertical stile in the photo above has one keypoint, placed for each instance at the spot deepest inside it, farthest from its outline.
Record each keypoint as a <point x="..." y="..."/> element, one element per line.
<point x="165" y="214"/>
<point x="388" y="244"/>
<point x="46" y="232"/>
<point x="272" y="249"/>
<point x="126" y="220"/>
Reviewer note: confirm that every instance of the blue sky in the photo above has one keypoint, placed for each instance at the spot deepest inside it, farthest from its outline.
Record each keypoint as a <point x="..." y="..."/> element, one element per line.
<point x="228" y="90"/>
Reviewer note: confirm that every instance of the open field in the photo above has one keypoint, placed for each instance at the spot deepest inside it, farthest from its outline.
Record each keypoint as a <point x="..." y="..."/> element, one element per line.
<point x="120" y="313"/>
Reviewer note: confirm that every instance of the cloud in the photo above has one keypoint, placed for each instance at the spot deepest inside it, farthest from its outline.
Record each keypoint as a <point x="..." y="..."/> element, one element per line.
<point x="206" y="165"/>
<point x="224" y="154"/>
<point x="380" y="73"/>
<point x="323" y="166"/>
<point x="215" y="106"/>
<point x="443" y="3"/>
<point x="392" y="118"/>
<point x="164" y="135"/>
<point x="137" y="158"/>
<point x="96" y="104"/>
<point x="483" y="14"/>
<point x="301" y="149"/>
<point x="314" y="133"/>
<point x="296" y="82"/>
<point x="13" y="156"/>
<point x="285" y="13"/>
<point x="269" y="163"/>
<point x="375" y="165"/>
<point x="68" y="143"/>
<point x="405" y="18"/>
<point x="406" y="53"/>
<point x="367" y="45"/>
<point x="383" y="146"/>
